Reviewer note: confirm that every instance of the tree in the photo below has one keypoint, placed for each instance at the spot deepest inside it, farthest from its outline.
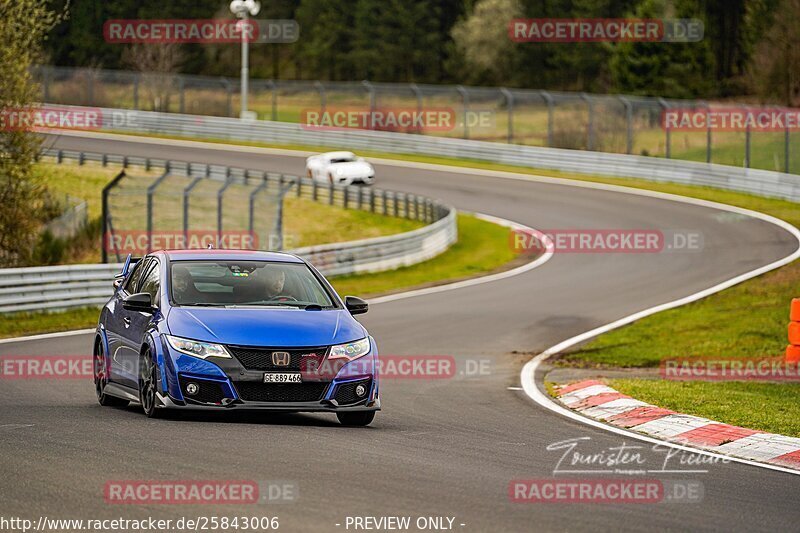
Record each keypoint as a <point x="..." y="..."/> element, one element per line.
<point x="776" y="65"/>
<point x="672" y="70"/>
<point x="483" y="42"/>
<point x="24" y="25"/>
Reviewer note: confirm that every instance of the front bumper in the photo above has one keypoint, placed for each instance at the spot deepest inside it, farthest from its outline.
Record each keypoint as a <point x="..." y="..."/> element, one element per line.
<point x="227" y="384"/>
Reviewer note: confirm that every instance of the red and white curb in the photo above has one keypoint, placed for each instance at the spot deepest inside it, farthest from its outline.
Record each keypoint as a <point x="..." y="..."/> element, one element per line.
<point x="600" y="402"/>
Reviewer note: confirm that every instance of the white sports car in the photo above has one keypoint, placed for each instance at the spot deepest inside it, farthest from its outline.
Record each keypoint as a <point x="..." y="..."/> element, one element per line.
<point x="344" y="168"/>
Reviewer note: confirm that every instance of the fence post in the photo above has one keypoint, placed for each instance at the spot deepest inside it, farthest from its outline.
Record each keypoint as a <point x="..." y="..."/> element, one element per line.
<point x="151" y="189"/>
<point x="90" y="86"/>
<point x="106" y="214"/>
<point x="228" y="95"/>
<point x="550" y="112"/>
<point x="371" y="90"/>
<point x="385" y="207"/>
<point x="186" y="193"/>
<point x="418" y="94"/>
<point x="465" y="105"/>
<point x="181" y="96"/>
<point x="786" y="138"/>
<point x="252" y="202"/>
<point x="360" y="198"/>
<point x="330" y="193"/>
<point x="708" y="133"/>
<point x="136" y="77"/>
<point x="372" y="200"/>
<point x="510" y="108"/>
<point x="747" y="145"/>
<point x="274" y="112"/>
<point x="220" y="195"/>
<point x="629" y="124"/>
<point x="323" y="97"/>
<point x="46" y="83"/>
<point x="590" y="124"/>
<point x="668" y="134"/>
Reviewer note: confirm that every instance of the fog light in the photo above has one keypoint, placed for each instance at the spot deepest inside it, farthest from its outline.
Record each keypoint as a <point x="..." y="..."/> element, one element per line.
<point x="361" y="390"/>
<point x="192" y="388"/>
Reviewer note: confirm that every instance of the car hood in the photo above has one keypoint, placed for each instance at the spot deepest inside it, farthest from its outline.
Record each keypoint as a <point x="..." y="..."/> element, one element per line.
<point x="355" y="167"/>
<point x="265" y="327"/>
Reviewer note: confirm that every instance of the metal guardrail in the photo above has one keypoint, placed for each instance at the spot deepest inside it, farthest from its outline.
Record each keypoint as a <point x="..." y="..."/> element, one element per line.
<point x="62" y="287"/>
<point x="611" y="123"/>
<point x="753" y="181"/>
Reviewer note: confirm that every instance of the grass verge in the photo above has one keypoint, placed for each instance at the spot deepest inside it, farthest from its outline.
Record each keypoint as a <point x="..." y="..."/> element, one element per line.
<point x="482" y="248"/>
<point x="767" y="407"/>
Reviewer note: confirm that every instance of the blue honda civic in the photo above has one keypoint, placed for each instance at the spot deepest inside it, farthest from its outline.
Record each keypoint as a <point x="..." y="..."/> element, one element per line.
<point x="230" y="329"/>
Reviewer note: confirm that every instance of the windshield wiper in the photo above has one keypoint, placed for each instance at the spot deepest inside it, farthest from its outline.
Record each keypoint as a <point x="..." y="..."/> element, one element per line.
<point x="203" y="305"/>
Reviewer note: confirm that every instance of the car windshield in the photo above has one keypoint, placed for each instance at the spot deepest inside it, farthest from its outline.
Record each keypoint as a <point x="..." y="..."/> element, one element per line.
<point x="349" y="159"/>
<point x="247" y="283"/>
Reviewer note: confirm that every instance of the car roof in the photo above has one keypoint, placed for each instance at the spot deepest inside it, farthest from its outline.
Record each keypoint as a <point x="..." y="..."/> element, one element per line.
<point x="337" y="155"/>
<point x="230" y="255"/>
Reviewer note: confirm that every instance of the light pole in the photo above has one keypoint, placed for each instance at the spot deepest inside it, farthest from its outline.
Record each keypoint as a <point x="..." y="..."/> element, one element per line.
<point x="245" y="9"/>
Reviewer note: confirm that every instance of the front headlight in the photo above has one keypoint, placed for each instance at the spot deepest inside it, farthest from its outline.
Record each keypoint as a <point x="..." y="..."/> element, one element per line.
<point x="351" y="350"/>
<point x="200" y="349"/>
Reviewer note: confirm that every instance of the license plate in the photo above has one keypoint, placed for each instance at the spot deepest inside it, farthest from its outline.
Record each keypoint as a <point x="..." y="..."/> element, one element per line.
<point x="282" y="377"/>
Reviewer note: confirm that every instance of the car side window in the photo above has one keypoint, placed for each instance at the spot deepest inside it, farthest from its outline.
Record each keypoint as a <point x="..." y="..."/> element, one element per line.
<point x="151" y="282"/>
<point x="135" y="276"/>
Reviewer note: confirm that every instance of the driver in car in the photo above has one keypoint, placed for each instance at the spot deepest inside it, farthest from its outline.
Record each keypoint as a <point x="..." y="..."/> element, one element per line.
<point x="183" y="286"/>
<point x="274" y="280"/>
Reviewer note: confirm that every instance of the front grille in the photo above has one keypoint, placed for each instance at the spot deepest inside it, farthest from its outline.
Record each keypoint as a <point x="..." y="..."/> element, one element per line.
<point x="346" y="392"/>
<point x="209" y="391"/>
<point x="260" y="358"/>
<point x="255" y="391"/>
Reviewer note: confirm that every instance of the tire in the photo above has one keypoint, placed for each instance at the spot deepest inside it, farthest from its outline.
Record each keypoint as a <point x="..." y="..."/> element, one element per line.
<point x="356" y="418"/>
<point x="147" y="385"/>
<point x="101" y="379"/>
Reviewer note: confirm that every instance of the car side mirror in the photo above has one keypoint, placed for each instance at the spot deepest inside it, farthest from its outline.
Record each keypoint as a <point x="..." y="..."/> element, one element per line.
<point x="355" y="305"/>
<point x="141" y="301"/>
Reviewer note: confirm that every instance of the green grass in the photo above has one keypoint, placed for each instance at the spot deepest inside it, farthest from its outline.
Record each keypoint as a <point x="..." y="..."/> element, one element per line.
<point x="482" y="248"/>
<point x="763" y="406"/>
<point x="33" y="323"/>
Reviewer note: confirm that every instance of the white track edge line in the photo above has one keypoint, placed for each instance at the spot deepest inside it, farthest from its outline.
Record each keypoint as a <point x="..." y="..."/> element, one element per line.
<point x="528" y="372"/>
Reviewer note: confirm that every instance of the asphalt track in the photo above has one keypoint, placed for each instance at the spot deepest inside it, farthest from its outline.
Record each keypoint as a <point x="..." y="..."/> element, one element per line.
<point x="445" y="447"/>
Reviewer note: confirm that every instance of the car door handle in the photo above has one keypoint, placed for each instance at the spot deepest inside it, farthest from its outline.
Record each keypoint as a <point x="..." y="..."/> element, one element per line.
<point x="127" y="321"/>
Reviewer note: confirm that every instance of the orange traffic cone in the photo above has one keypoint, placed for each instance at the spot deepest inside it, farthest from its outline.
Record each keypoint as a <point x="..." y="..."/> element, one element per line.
<point x="793" y="350"/>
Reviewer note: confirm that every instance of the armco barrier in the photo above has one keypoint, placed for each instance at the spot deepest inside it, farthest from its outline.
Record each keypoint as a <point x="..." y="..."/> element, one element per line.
<point x="63" y="287"/>
<point x="759" y="182"/>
